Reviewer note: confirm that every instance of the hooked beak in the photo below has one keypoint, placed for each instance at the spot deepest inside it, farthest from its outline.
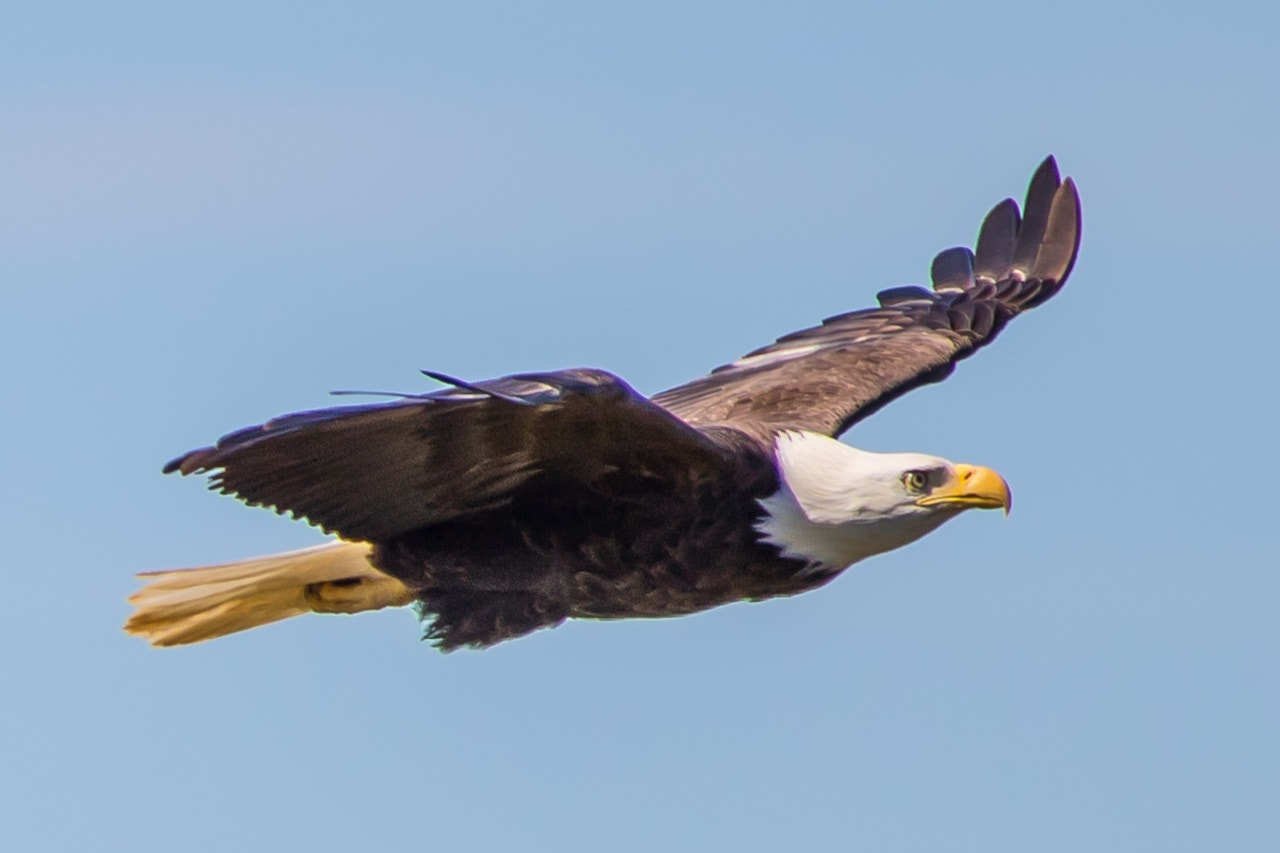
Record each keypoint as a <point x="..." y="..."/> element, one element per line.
<point x="974" y="487"/>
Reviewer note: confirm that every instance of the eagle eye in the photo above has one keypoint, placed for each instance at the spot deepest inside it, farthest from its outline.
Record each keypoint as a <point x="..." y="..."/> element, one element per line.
<point x="915" y="481"/>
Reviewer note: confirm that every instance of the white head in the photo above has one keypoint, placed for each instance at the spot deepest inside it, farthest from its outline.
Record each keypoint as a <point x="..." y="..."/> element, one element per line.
<point x="838" y="505"/>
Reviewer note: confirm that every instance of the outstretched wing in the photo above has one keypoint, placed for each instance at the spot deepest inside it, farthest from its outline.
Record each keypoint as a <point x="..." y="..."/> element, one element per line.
<point x="373" y="471"/>
<point x="829" y="377"/>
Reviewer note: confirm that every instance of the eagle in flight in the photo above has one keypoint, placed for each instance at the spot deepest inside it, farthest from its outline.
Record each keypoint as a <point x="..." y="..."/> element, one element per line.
<point x="508" y="505"/>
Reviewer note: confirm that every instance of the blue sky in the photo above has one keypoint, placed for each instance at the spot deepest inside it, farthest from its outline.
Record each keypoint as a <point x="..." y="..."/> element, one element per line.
<point x="214" y="213"/>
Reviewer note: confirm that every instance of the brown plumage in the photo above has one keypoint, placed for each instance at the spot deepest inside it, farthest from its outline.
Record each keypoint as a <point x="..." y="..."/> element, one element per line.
<point x="512" y="504"/>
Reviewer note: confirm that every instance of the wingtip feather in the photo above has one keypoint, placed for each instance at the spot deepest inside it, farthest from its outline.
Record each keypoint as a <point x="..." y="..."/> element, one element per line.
<point x="997" y="241"/>
<point x="1061" y="241"/>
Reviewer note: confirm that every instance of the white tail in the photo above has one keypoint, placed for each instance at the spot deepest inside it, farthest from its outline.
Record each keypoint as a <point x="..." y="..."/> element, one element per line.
<point x="181" y="606"/>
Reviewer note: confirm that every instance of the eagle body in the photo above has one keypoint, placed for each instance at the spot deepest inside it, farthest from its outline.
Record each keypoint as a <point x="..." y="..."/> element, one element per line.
<point x="632" y="543"/>
<point x="507" y="505"/>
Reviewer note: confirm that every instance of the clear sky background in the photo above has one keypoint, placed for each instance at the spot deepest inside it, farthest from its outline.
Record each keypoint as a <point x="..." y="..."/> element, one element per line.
<point x="211" y="213"/>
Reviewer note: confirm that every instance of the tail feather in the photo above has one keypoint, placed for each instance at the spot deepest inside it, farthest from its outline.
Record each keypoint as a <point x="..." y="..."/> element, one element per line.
<point x="180" y="606"/>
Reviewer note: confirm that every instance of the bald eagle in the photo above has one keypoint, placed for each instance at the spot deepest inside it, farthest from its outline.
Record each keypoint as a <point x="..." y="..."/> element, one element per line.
<point x="503" y="506"/>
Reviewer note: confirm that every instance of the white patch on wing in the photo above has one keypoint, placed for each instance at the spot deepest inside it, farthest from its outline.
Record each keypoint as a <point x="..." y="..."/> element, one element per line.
<point x="776" y="356"/>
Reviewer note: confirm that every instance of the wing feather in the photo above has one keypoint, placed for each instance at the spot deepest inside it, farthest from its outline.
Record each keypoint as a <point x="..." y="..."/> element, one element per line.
<point x="997" y="241"/>
<point x="829" y="377"/>
<point x="373" y="471"/>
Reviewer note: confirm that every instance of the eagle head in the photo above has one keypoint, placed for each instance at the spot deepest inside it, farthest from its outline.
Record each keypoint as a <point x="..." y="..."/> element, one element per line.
<point x="836" y="504"/>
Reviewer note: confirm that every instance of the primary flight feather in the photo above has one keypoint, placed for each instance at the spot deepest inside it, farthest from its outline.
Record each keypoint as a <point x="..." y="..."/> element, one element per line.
<point x="504" y="506"/>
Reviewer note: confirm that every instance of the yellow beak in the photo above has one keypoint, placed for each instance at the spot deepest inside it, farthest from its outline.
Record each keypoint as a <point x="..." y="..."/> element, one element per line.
<point x="974" y="487"/>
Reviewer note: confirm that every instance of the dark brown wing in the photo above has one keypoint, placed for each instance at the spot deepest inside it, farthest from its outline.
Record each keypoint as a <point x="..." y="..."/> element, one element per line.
<point x="829" y="377"/>
<point x="373" y="471"/>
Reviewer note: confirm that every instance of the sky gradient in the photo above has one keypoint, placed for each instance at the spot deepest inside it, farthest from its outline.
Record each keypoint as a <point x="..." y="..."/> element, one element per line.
<point x="214" y="213"/>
